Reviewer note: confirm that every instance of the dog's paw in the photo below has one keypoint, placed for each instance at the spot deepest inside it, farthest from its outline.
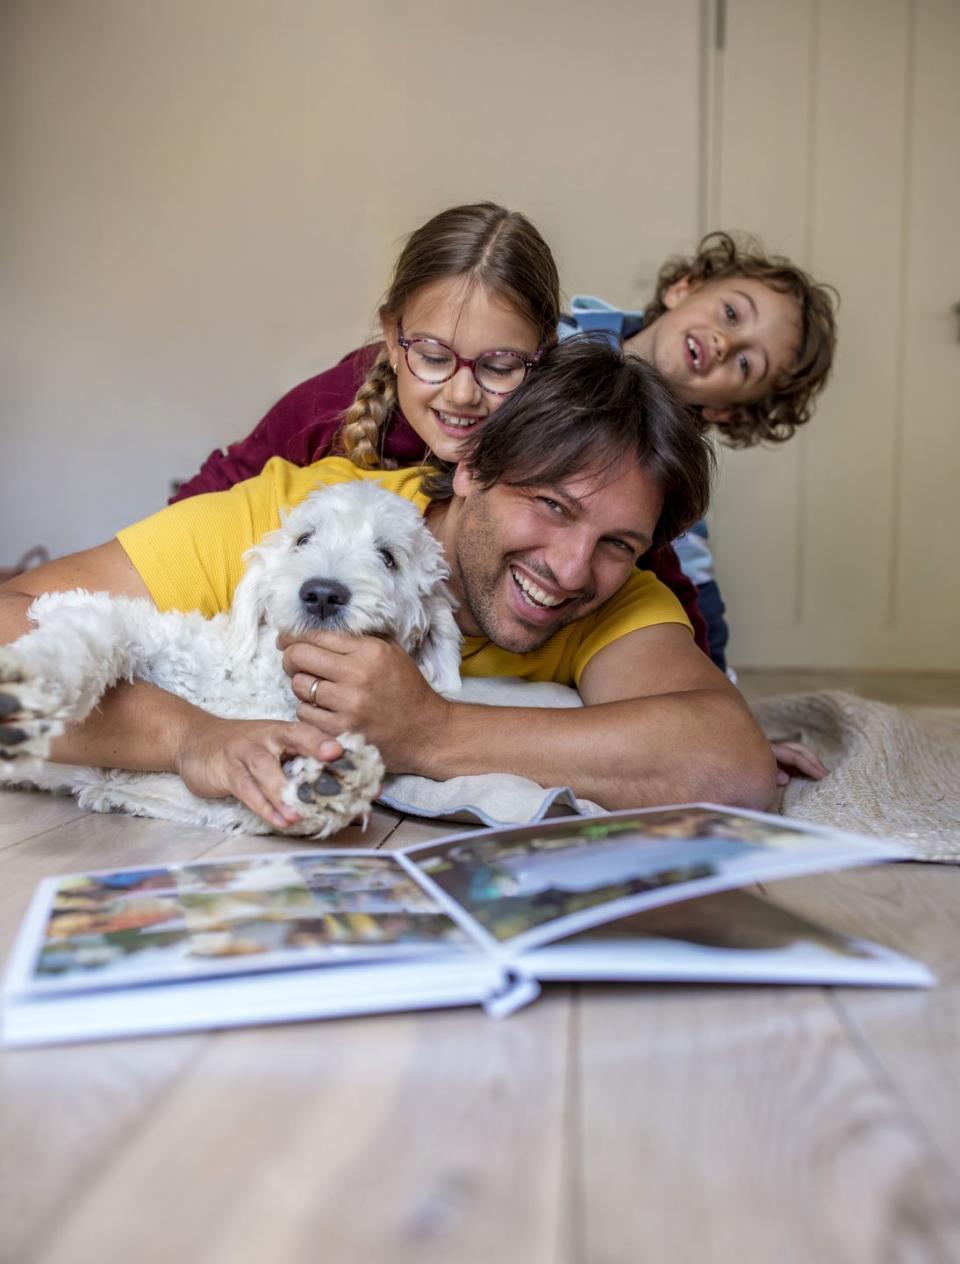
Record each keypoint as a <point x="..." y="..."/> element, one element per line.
<point x="330" y="795"/>
<point x="30" y="712"/>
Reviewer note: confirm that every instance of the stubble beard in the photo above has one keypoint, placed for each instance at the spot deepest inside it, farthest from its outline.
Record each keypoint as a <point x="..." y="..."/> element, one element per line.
<point x="481" y="570"/>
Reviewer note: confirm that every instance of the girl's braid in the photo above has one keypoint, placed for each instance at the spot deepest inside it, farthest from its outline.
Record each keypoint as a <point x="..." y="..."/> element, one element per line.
<point x="365" y="420"/>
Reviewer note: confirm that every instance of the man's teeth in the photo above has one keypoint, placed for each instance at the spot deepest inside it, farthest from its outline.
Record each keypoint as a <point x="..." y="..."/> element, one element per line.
<point x="535" y="593"/>
<point x="694" y="351"/>
<point x="462" y="422"/>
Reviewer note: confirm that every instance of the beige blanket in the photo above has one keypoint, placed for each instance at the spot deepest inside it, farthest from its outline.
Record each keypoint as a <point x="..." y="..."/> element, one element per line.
<point x="893" y="772"/>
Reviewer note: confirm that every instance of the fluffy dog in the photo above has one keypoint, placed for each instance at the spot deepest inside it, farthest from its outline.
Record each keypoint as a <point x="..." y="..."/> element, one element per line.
<point x="351" y="558"/>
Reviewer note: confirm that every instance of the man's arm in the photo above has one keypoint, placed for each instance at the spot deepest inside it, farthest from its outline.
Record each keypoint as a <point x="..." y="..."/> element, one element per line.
<point x="660" y="723"/>
<point x="146" y="729"/>
<point x="105" y="568"/>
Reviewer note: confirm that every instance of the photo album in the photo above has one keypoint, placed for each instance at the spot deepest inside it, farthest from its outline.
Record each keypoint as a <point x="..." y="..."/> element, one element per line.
<point x="484" y="917"/>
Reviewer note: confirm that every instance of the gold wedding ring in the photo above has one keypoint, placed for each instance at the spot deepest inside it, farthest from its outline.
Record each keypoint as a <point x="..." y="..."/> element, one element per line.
<point x="313" y="691"/>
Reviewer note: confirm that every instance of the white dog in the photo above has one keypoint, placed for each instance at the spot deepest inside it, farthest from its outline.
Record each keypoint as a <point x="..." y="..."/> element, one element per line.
<point x="352" y="558"/>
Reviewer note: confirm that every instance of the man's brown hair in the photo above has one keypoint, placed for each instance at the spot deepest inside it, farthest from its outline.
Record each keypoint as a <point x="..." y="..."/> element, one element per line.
<point x="590" y="409"/>
<point x="790" y="403"/>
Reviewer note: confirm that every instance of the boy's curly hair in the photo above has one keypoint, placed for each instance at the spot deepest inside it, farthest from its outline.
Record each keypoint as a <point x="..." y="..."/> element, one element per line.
<point x="775" y="417"/>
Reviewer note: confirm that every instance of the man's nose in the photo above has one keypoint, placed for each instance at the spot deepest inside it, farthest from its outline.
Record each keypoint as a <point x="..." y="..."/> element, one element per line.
<point x="463" y="388"/>
<point x="571" y="562"/>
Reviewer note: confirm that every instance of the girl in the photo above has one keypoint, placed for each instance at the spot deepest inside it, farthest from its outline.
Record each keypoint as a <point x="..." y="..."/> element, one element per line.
<point x="474" y="302"/>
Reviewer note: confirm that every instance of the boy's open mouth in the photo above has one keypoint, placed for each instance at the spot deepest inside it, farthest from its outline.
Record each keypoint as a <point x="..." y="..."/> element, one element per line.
<point x="696" y="356"/>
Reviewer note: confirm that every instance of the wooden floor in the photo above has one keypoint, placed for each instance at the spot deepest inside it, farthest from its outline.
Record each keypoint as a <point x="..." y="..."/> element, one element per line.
<point x="917" y="689"/>
<point x="601" y="1125"/>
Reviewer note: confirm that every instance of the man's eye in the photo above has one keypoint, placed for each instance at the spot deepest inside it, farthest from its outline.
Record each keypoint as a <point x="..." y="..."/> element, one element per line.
<point x="389" y="561"/>
<point x="553" y="505"/>
<point x="744" y="366"/>
<point x="304" y="539"/>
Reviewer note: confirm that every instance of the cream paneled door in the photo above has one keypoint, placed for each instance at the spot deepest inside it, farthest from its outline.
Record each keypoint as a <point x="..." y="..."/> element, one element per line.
<point x="835" y="134"/>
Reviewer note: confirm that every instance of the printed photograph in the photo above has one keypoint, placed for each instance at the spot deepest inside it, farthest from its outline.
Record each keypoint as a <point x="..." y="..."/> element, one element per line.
<point x="365" y="884"/>
<point x="257" y="873"/>
<point x="260" y="913"/>
<point x="89" y="891"/>
<point x="528" y="878"/>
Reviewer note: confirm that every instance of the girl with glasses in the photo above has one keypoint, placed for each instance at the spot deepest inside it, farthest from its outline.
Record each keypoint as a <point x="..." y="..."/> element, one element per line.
<point x="474" y="302"/>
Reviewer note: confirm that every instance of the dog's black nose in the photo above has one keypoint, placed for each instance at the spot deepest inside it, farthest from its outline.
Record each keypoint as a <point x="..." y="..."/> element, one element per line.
<point x="324" y="597"/>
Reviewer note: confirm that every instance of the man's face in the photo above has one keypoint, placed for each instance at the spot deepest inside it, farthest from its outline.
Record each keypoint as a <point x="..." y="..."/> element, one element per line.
<point x="528" y="560"/>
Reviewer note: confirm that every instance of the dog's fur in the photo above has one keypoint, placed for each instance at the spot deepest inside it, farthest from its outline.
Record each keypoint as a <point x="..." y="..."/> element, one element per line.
<point x="390" y="571"/>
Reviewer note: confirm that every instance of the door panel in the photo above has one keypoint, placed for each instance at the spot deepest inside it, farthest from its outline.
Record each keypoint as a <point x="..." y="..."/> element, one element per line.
<point x="836" y="138"/>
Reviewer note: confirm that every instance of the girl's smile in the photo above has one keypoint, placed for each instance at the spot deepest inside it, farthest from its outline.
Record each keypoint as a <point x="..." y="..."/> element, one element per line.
<point x="472" y="321"/>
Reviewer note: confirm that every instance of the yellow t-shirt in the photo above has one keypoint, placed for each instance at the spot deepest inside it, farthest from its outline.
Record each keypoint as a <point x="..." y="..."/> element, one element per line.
<point x="190" y="556"/>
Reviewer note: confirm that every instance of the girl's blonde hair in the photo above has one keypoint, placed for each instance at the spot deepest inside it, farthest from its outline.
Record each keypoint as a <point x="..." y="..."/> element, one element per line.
<point x="486" y="245"/>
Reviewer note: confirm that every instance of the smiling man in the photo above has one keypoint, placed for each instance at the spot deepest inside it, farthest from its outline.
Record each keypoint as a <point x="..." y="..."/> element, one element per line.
<point x="556" y="497"/>
<point x="576" y="476"/>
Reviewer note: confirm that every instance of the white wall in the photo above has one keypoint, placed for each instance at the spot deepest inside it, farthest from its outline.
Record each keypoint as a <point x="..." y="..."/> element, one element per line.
<point x="202" y="200"/>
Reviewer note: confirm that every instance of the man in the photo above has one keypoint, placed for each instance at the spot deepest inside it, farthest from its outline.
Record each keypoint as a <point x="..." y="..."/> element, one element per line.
<point x="582" y="470"/>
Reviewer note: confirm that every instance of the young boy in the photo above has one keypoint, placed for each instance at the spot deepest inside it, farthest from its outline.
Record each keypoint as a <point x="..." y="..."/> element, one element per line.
<point x="747" y="340"/>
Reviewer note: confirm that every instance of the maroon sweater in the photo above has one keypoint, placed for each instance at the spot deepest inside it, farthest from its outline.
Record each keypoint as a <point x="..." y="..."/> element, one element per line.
<point x="303" y="427"/>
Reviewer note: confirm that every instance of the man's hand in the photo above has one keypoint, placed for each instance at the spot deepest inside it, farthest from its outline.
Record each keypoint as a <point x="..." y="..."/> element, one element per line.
<point x="242" y="758"/>
<point x="366" y="685"/>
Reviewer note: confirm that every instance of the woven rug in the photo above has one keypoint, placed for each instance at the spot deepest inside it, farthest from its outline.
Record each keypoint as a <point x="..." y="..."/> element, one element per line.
<point x="893" y="772"/>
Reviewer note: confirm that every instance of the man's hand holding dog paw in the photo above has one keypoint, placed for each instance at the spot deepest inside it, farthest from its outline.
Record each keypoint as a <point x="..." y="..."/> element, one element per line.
<point x="366" y="685"/>
<point x="216" y="758"/>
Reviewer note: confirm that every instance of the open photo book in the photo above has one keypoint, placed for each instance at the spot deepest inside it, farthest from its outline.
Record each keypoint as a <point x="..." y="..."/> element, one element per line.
<point x="478" y="918"/>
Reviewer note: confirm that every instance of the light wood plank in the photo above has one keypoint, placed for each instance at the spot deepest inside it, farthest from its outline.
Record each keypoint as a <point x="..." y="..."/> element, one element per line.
<point x="64" y="1110"/>
<point x="432" y="1137"/>
<point x="24" y="813"/>
<point x="741" y="1124"/>
<point x="913" y="1036"/>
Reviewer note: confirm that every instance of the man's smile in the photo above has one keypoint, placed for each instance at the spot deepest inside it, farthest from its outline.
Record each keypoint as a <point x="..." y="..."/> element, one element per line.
<point x="532" y="602"/>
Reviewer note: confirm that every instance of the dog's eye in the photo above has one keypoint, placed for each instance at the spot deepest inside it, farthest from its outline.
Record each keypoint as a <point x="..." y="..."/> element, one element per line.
<point x="304" y="539"/>
<point x="389" y="561"/>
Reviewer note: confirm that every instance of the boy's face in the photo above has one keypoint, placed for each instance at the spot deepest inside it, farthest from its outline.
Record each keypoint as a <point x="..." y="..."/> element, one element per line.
<point x="722" y="343"/>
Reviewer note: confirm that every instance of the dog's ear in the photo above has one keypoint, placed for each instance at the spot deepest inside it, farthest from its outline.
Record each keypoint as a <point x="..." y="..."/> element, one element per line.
<point x="438" y="656"/>
<point x="246" y="611"/>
